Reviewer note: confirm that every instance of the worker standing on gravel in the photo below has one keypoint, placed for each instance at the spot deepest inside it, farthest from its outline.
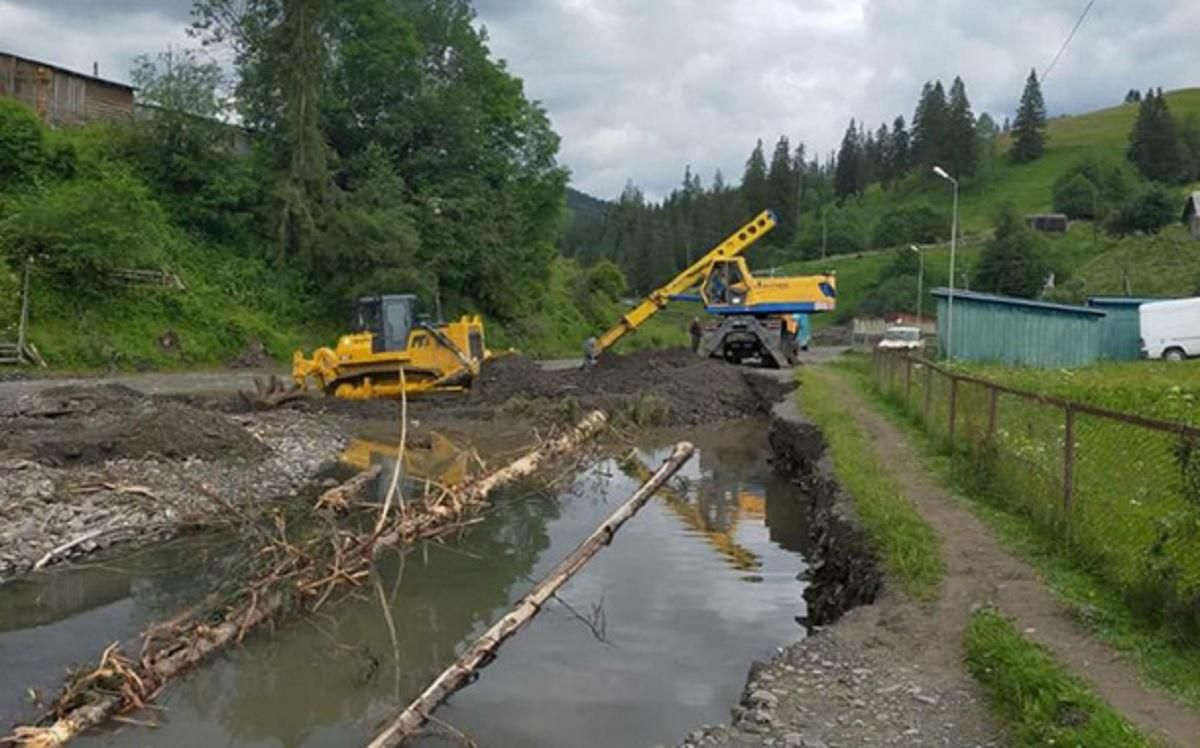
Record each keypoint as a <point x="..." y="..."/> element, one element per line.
<point x="696" y="331"/>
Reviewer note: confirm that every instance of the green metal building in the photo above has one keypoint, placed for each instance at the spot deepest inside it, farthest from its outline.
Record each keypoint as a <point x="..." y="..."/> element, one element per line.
<point x="1020" y="332"/>
<point x="1121" y="338"/>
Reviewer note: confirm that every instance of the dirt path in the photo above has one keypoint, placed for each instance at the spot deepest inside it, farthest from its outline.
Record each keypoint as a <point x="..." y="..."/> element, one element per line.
<point x="980" y="570"/>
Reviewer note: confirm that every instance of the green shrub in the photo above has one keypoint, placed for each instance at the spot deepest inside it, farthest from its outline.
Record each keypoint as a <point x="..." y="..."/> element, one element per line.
<point x="1077" y="197"/>
<point x="22" y="146"/>
<point x="82" y="229"/>
<point x="1148" y="212"/>
<point x="1092" y="187"/>
<point x="911" y="223"/>
<point x="9" y="297"/>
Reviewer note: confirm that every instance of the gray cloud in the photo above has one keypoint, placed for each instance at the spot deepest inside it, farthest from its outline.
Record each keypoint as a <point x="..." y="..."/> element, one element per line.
<point x="76" y="33"/>
<point x="639" y="88"/>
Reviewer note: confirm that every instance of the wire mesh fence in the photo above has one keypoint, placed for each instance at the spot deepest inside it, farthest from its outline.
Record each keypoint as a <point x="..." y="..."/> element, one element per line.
<point x="1120" y="491"/>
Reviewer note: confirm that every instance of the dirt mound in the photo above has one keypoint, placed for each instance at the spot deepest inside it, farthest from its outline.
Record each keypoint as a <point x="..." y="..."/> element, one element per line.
<point x="77" y="425"/>
<point x="668" y="386"/>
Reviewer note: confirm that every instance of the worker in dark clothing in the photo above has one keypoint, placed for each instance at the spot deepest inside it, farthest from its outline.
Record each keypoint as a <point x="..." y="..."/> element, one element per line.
<point x="696" y="331"/>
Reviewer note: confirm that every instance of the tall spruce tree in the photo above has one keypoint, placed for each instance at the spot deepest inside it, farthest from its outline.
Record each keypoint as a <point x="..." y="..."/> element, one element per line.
<point x="930" y="125"/>
<point x="883" y="146"/>
<point x="899" y="154"/>
<point x="1155" y="147"/>
<point x="1029" y="128"/>
<point x="848" y="170"/>
<point x="755" y="193"/>
<point x="961" y="142"/>
<point x="781" y="188"/>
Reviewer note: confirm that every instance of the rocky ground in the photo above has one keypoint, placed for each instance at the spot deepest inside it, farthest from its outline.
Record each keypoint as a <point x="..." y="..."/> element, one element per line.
<point x="825" y="693"/>
<point x="104" y="465"/>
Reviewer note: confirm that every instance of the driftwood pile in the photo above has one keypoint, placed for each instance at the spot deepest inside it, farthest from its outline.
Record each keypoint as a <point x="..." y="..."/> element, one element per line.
<point x="295" y="576"/>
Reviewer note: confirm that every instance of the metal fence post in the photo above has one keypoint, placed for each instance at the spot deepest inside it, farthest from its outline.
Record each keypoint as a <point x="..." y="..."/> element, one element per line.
<point x="928" y="392"/>
<point x="953" y="406"/>
<point x="993" y="396"/>
<point x="1068" y="462"/>
<point x="908" y="382"/>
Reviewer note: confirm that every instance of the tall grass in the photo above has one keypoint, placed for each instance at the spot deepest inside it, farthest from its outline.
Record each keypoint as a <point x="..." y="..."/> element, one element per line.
<point x="1041" y="702"/>
<point x="908" y="545"/>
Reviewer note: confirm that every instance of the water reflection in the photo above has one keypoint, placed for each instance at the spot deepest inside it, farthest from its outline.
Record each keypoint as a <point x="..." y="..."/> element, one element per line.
<point x="670" y="629"/>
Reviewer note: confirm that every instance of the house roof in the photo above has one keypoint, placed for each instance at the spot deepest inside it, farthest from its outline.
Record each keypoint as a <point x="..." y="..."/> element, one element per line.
<point x="68" y="71"/>
<point x="1121" y="300"/>
<point x="988" y="298"/>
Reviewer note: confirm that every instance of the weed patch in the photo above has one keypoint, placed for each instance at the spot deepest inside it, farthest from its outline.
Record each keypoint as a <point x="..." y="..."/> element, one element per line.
<point x="1041" y="702"/>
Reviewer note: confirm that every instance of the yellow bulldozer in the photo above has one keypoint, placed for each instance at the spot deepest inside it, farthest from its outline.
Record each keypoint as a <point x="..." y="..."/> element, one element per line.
<point x="392" y="350"/>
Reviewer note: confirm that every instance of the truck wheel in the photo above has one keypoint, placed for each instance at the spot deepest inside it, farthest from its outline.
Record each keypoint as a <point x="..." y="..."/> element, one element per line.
<point x="732" y="357"/>
<point x="1174" y="354"/>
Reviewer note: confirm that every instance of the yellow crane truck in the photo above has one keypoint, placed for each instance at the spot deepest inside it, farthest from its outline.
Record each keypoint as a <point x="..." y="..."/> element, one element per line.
<point x="750" y="317"/>
<point x="387" y="336"/>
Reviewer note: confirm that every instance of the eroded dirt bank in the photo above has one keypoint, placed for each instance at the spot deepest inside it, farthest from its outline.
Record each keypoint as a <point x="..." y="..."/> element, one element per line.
<point x="838" y="687"/>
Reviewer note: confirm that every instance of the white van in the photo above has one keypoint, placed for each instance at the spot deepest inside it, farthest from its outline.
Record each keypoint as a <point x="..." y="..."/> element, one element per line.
<point x="1170" y="329"/>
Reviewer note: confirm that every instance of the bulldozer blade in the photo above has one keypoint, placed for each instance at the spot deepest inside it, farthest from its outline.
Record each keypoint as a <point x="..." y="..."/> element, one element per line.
<point x="270" y="394"/>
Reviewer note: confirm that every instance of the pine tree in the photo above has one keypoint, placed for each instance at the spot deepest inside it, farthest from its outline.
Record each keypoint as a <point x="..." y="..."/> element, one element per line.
<point x="1154" y="143"/>
<point x="848" y="169"/>
<point x="868" y="157"/>
<point x="1029" y="129"/>
<point x="961" y="142"/>
<point x="930" y="127"/>
<point x="781" y="188"/>
<point x="899" y="155"/>
<point x="755" y="194"/>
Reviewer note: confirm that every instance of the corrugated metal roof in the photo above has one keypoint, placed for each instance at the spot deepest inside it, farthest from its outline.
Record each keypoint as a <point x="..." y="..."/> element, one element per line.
<point x="1014" y="301"/>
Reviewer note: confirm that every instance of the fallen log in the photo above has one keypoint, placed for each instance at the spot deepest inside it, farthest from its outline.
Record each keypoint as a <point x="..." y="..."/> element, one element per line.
<point x="483" y="650"/>
<point x="297" y="581"/>
<point x="339" y="497"/>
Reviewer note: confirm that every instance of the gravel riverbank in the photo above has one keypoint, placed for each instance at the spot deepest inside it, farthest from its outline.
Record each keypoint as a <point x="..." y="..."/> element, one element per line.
<point x="84" y="468"/>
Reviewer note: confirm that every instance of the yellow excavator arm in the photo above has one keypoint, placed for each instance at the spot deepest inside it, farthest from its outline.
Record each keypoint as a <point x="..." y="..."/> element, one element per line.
<point x="737" y="243"/>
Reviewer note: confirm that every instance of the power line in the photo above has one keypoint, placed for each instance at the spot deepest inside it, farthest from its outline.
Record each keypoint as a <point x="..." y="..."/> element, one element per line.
<point x="1065" y="44"/>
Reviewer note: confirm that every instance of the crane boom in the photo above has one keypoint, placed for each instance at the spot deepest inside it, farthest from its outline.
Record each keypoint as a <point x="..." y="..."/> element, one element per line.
<point x="737" y="243"/>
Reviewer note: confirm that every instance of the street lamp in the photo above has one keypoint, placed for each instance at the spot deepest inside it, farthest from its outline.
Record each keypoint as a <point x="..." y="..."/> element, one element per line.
<point x="953" y="246"/>
<point x="920" y="280"/>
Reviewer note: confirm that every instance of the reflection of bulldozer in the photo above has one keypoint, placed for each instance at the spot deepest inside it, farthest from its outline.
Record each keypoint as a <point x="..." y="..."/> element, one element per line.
<point x="388" y="336"/>
<point x="437" y="460"/>
<point x="698" y="515"/>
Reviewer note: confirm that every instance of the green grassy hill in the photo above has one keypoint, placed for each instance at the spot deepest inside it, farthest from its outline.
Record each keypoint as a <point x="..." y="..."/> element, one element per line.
<point x="1028" y="186"/>
<point x="1087" y="262"/>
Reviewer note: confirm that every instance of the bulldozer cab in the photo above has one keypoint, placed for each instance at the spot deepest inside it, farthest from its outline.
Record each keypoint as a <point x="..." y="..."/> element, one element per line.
<point x="389" y="319"/>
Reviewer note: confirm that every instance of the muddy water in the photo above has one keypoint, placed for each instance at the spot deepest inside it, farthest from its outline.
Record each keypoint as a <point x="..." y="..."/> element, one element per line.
<point x="653" y="638"/>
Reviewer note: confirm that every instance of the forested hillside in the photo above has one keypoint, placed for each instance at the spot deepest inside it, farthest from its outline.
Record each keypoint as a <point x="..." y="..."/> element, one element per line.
<point x="1123" y="170"/>
<point x="379" y="148"/>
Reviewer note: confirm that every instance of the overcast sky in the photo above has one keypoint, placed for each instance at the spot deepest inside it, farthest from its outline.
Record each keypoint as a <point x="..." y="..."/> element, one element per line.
<point x="639" y="88"/>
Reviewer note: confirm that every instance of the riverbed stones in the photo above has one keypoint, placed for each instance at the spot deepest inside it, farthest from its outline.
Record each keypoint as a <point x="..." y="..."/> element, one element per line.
<point x="44" y="505"/>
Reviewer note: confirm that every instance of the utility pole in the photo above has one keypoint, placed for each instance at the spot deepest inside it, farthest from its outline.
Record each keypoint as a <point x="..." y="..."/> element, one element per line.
<point x="953" y="246"/>
<point x="920" y="281"/>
